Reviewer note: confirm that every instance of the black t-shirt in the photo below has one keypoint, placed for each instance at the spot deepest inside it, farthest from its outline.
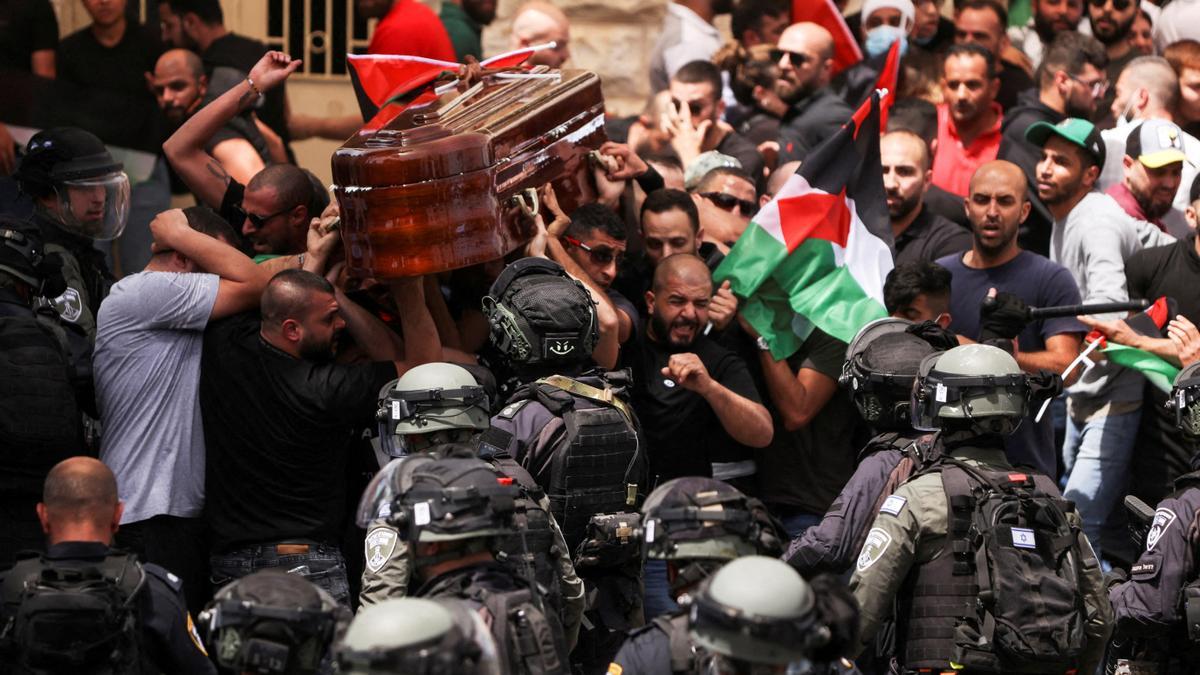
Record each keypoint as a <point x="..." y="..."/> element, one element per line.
<point x="26" y="26"/>
<point x="804" y="470"/>
<point x="278" y="430"/>
<point x="929" y="237"/>
<point x="683" y="434"/>
<point x="1163" y="452"/>
<point x="241" y="53"/>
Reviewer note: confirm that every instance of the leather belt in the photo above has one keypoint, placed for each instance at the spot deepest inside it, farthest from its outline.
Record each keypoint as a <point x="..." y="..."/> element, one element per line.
<point x="292" y="549"/>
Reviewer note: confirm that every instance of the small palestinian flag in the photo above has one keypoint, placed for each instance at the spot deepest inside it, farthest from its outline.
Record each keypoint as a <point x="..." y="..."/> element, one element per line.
<point x="1157" y="370"/>
<point x="817" y="254"/>
<point x="825" y="14"/>
<point x="888" y="81"/>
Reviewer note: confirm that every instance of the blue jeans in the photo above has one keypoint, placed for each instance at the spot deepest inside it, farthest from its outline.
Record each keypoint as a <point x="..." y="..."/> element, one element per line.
<point x="1096" y="455"/>
<point x="657" y="599"/>
<point x="323" y="565"/>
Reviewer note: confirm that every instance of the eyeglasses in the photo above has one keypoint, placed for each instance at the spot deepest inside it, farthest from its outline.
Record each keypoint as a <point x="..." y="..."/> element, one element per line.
<point x="600" y="255"/>
<point x="258" y="221"/>
<point x="1097" y="88"/>
<point x="728" y="202"/>
<point x="1119" y="5"/>
<point x="796" y="59"/>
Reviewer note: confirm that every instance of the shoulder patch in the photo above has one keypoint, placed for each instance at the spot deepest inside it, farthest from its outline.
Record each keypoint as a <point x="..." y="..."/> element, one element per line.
<point x="69" y="305"/>
<point x="510" y="411"/>
<point x="615" y="669"/>
<point x="380" y="544"/>
<point x="1163" y="518"/>
<point x="893" y="505"/>
<point x="877" y="542"/>
<point x="191" y="629"/>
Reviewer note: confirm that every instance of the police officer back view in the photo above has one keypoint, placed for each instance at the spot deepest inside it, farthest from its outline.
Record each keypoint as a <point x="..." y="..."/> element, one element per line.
<point x="275" y="623"/>
<point x="964" y="547"/>
<point x="1158" y="609"/>
<point x="881" y="365"/>
<point x="453" y="512"/>
<point x="439" y="409"/>
<point x="567" y="425"/>
<point x="81" y="195"/>
<point x="45" y="374"/>
<point x="697" y="525"/>
<point x="84" y="608"/>
<point x="411" y="635"/>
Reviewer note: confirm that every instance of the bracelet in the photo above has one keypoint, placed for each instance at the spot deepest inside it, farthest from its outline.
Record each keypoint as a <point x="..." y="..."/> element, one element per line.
<point x="300" y="259"/>
<point x="253" y="88"/>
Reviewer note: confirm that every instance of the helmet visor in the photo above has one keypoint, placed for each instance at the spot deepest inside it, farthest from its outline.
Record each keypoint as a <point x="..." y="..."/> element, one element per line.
<point x="96" y="208"/>
<point x="376" y="501"/>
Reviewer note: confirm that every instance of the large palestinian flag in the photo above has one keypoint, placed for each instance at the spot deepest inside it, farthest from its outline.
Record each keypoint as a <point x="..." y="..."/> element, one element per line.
<point x="817" y="254"/>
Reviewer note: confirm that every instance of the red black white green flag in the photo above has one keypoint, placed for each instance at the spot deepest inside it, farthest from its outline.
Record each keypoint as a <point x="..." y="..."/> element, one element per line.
<point x="818" y="253"/>
<point x="826" y="14"/>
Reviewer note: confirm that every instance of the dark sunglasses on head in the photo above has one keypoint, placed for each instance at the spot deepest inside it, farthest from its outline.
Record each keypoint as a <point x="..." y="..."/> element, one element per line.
<point x="1119" y="5"/>
<point x="797" y="59"/>
<point x="258" y="221"/>
<point x="729" y="203"/>
<point x="600" y="255"/>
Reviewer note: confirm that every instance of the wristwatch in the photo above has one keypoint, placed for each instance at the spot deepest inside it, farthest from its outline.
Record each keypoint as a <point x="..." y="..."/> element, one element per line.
<point x="762" y="344"/>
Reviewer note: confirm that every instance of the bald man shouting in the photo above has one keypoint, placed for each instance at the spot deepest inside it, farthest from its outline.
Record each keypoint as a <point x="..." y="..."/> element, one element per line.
<point x="996" y="265"/>
<point x="537" y="23"/>
<point x="814" y="113"/>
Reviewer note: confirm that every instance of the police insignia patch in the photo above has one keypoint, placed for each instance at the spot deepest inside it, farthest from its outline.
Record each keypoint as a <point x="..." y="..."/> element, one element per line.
<point x="381" y="543"/>
<point x="893" y="504"/>
<point x="191" y="629"/>
<point x="69" y="305"/>
<point x="877" y="542"/>
<point x="1162" y="520"/>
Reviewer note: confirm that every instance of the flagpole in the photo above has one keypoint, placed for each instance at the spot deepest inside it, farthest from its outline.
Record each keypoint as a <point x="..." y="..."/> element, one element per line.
<point x="1087" y="365"/>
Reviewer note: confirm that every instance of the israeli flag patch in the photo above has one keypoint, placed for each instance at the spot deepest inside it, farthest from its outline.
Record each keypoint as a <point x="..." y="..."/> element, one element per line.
<point x="1023" y="538"/>
<point x="893" y="504"/>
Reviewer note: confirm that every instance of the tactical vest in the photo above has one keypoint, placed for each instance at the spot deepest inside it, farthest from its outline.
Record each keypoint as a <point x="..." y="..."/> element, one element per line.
<point x="74" y="616"/>
<point x="530" y="639"/>
<point x="595" y="463"/>
<point x="948" y="606"/>
<point x="531" y="551"/>
<point x="40" y="423"/>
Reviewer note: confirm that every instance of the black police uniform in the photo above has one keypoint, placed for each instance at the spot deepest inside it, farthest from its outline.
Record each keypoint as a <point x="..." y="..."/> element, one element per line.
<point x="834" y="544"/>
<point x="1151" y="607"/>
<point x="661" y="646"/>
<point x="87" y="275"/>
<point x="169" y="638"/>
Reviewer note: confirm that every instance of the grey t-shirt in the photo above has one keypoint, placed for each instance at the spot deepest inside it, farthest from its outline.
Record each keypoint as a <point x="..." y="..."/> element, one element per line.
<point x="147" y="367"/>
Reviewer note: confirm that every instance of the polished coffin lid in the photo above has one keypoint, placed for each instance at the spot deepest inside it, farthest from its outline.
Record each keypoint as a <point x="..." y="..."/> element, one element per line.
<point x="436" y="188"/>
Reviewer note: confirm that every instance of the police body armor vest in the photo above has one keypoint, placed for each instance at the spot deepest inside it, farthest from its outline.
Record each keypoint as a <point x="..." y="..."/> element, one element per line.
<point x="74" y="616"/>
<point x="530" y="552"/>
<point x="40" y="423"/>
<point x="595" y="464"/>
<point x="971" y="605"/>
<point x="530" y="639"/>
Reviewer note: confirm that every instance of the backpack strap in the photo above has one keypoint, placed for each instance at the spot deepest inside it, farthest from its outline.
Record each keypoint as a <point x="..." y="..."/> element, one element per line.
<point x="683" y="659"/>
<point x="961" y="500"/>
<point x="603" y="396"/>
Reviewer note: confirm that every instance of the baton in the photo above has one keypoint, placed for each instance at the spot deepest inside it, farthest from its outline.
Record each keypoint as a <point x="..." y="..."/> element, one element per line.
<point x="1093" y="308"/>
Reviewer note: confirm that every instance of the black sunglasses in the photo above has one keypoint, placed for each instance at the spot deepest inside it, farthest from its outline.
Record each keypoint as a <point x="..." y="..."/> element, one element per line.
<point x="1119" y="5"/>
<point x="729" y="202"/>
<point x="258" y="221"/>
<point x="600" y="255"/>
<point x="797" y="59"/>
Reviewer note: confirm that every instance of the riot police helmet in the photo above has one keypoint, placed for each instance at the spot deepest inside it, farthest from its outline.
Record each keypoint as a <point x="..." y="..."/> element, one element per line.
<point x="540" y="316"/>
<point x="90" y="189"/>
<point x="1185" y="400"/>
<point x="881" y="365"/>
<point x="453" y="499"/>
<point x="415" y="635"/>
<point x="272" y="622"/>
<point x="431" y="398"/>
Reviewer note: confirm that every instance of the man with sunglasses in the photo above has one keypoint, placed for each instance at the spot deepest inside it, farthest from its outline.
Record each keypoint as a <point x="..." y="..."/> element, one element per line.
<point x="595" y="242"/>
<point x="695" y="119"/>
<point x="1112" y="22"/>
<point x="815" y="112"/>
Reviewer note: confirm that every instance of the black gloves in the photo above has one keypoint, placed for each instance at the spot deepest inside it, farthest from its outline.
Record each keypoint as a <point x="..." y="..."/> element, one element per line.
<point x="1002" y="317"/>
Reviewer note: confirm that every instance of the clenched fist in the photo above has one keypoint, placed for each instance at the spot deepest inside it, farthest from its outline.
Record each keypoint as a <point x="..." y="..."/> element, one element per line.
<point x="688" y="372"/>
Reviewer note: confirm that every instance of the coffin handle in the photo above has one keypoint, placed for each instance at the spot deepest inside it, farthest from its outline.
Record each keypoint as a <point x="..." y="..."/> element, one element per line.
<point x="527" y="201"/>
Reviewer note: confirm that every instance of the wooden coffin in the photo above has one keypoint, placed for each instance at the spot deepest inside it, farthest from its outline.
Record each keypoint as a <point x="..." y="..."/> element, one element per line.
<point x="439" y="187"/>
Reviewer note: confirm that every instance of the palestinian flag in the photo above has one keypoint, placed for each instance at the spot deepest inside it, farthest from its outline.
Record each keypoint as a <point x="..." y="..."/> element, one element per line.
<point x="818" y="253"/>
<point x="888" y="81"/>
<point x="1157" y="370"/>
<point x="825" y="14"/>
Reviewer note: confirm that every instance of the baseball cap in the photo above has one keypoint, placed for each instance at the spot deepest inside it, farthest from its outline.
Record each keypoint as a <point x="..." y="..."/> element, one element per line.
<point x="705" y="162"/>
<point x="1078" y="131"/>
<point x="1156" y="143"/>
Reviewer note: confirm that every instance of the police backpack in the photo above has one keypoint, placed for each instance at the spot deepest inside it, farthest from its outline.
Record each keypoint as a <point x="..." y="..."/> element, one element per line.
<point x="73" y="616"/>
<point x="1009" y="531"/>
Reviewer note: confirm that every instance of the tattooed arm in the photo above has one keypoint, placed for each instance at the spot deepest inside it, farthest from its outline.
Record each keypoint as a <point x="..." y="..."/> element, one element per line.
<point x="203" y="174"/>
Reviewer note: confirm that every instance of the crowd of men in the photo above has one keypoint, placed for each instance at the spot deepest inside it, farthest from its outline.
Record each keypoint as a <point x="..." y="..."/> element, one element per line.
<point x="224" y="453"/>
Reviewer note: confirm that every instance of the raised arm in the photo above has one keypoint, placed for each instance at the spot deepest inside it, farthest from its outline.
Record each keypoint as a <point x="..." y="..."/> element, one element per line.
<point x="746" y="421"/>
<point x="242" y="282"/>
<point x="203" y="174"/>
